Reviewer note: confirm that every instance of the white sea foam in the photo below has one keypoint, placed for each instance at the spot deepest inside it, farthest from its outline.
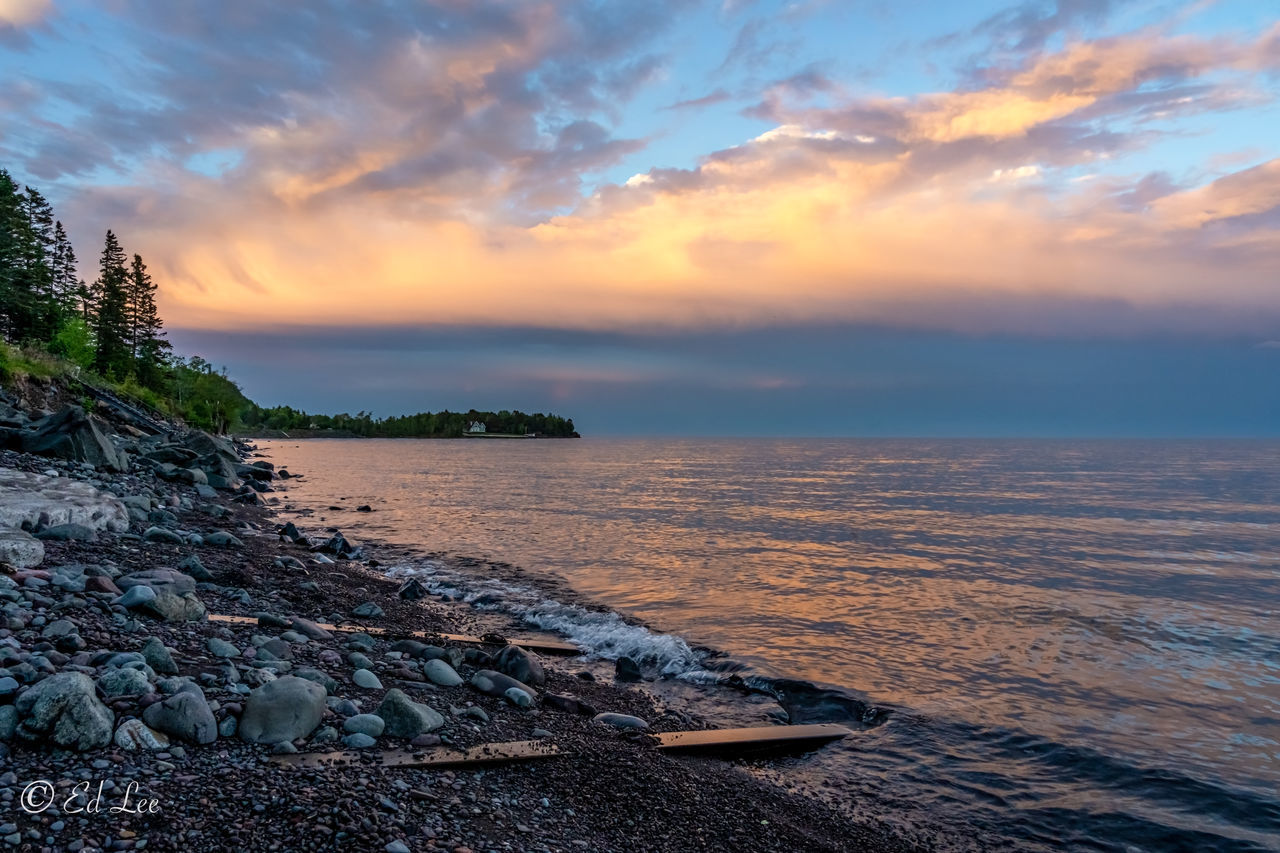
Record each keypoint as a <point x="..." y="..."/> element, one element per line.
<point x="600" y="634"/>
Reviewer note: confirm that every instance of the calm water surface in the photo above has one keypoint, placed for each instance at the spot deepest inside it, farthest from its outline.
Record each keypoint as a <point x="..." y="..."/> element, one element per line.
<point x="1070" y="644"/>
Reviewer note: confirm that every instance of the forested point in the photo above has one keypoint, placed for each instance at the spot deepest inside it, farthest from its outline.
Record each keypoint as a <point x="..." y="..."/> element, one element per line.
<point x="109" y="333"/>
<point x="444" y="424"/>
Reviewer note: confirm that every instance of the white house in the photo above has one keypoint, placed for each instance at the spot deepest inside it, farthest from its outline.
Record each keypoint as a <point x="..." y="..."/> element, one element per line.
<point x="475" y="426"/>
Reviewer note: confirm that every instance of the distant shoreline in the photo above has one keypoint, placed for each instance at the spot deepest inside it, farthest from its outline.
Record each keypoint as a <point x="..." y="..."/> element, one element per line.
<point x="335" y="433"/>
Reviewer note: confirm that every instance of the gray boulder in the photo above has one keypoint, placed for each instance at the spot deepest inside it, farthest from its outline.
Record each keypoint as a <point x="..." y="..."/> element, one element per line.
<point x="20" y="549"/>
<point x="175" y="598"/>
<point x="497" y="684"/>
<point x="439" y="672"/>
<point x="368" y="610"/>
<point x="70" y="532"/>
<point x="123" y="682"/>
<point x="134" y="734"/>
<point x="185" y="715"/>
<point x="285" y="709"/>
<point x="157" y="656"/>
<point x="162" y="535"/>
<point x="64" y="710"/>
<point x="368" y="724"/>
<point x="620" y="721"/>
<point x="222" y="539"/>
<point x="520" y="665"/>
<point x="406" y="718"/>
<point x="72" y="434"/>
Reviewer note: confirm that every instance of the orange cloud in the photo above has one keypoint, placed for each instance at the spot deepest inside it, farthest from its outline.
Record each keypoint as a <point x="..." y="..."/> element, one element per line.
<point x="858" y="211"/>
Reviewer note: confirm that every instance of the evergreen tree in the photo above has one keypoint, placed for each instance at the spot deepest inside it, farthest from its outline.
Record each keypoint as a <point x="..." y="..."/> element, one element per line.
<point x="38" y="252"/>
<point x="148" y="346"/>
<point x="111" y="320"/>
<point x="66" y="285"/>
<point x="19" y="250"/>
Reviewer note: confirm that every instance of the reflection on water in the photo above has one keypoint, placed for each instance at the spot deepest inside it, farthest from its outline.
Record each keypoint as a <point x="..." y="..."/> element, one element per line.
<point x="1065" y="615"/>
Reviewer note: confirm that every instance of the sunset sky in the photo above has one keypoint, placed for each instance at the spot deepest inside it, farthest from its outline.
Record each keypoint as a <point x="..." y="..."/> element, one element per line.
<point x="729" y="217"/>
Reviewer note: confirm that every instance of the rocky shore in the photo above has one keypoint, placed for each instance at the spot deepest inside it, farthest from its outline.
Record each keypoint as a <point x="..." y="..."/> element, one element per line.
<point x="130" y="719"/>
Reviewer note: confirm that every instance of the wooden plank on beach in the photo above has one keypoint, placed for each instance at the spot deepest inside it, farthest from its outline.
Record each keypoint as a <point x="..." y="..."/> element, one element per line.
<point x="548" y="646"/>
<point x="754" y="739"/>
<point x="488" y="753"/>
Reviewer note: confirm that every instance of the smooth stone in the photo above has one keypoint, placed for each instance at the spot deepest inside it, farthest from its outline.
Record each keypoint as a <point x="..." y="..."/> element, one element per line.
<point x="366" y="679"/>
<point x="133" y="734"/>
<point x="222" y="539"/>
<point x="406" y="718"/>
<point x="20" y="549"/>
<point x="282" y="710"/>
<point x="368" y="610"/>
<point x="369" y="724"/>
<point x="497" y="684"/>
<point x="185" y="715"/>
<point x="439" y="672"/>
<point x="310" y="630"/>
<point x="222" y="649"/>
<point x="620" y="721"/>
<point x="158" y="656"/>
<point x="519" y="698"/>
<point x="520" y="665"/>
<point x="359" y="741"/>
<point x="64" y="709"/>
<point x="123" y="682"/>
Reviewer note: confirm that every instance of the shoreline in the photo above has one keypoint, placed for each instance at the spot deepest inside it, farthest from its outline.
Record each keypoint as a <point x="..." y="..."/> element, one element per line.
<point x="613" y="793"/>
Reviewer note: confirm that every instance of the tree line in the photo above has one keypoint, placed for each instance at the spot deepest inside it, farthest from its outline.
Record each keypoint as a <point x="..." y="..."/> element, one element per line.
<point x="111" y="325"/>
<point x="113" y="332"/>
<point x="443" y="424"/>
<point x="110" y="328"/>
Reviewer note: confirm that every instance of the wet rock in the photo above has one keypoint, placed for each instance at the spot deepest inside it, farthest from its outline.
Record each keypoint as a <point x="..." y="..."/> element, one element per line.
<point x="63" y="709"/>
<point x="412" y="590"/>
<point x="133" y="734"/>
<point x="520" y="665"/>
<point x="439" y="672"/>
<point x="519" y="698"/>
<point x="406" y="718"/>
<point x="185" y="715"/>
<point x="20" y="549"/>
<point x="359" y="741"/>
<point x="620" y="721"/>
<point x="285" y="709"/>
<point x="626" y="669"/>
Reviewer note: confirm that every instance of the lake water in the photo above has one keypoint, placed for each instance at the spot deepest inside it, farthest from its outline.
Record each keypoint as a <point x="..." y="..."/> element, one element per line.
<point x="1069" y="644"/>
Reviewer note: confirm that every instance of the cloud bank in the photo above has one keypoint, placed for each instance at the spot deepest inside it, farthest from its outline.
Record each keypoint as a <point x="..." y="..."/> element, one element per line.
<point x="444" y="163"/>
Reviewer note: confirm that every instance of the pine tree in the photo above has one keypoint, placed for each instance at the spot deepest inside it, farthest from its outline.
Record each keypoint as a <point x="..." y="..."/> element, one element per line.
<point x="20" y="267"/>
<point x="38" y="253"/>
<point x="148" y="345"/>
<point x="66" y="285"/>
<point x="111" y="320"/>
